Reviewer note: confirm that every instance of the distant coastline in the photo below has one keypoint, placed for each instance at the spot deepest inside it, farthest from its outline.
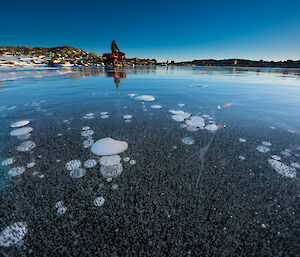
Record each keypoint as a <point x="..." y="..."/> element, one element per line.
<point x="71" y="56"/>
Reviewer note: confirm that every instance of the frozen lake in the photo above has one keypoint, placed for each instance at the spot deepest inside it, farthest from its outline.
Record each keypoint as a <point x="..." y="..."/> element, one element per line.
<point x="212" y="165"/>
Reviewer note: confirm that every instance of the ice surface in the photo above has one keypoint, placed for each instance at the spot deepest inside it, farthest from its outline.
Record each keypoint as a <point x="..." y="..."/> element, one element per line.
<point x="26" y="146"/>
<point x="283" y="169"/>
<point x="99" y="201"/>
<point x="263" y="149"/>
<point x="111" y="171"/>
<point x="110" y="160"/>
<point x="74" y="164"/>
<point x="19" y="124"/>
<point x="16" y="171"/>
<point x="145" y="98"/>
<point x="188" y="140"/>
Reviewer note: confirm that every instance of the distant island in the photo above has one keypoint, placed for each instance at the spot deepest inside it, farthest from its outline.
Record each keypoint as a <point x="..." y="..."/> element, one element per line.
<point x="71" y="56"/>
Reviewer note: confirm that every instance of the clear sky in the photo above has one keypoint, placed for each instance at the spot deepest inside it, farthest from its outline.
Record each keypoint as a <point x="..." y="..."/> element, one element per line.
<point x="161" y="29"/>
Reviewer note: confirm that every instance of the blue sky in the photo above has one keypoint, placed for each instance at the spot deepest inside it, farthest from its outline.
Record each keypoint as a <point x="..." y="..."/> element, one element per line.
<point x="165" y="30"/>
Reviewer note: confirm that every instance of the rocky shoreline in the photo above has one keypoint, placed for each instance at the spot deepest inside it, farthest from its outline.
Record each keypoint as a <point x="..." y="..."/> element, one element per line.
<point x="71" y="56"/>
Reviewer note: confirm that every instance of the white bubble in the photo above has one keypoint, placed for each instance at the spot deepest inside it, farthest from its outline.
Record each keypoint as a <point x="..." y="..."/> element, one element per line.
<point x="181" y="105"/>
<point x="263" y="149"/>
<point x="272" y="127"/>
<point x="88" y="143"/>
<point x="211" y="127"/>
<point x="131" y="95"/>
<point x="275" y="157"/>
<point x="19" y="124"/>
<point x="62" y="210"/>
<point x="73" y="165"/>
<point x="104" y="116"/>
<point x="26" y="146"/>
<point x="145" y="98"/>
<point x="126" y="159"/>
<point x="242" y="140"/>
<point x="59" y="134"/>
<point x="127" y="121"/>
<point x="195" y="121"/>
<point x="114" y="186"/>
<point x="90" y="114"/>
<point x="286" y="153"/>
<point x="127" y="117"/>
<point x="183" y="126"/>
<point x="8" y="161"/>
<point x="90" y="163"/>
<point x="156" y="106"/>
<point x="295" y="165"/>
<point x="188" y="140"/>
<point x="109" y="180"/>
<point x="21" y="131"/>
<point x="16" y="171"/>
<point x="59" y="204"/>
<point x="30" y="164"/>
<point x="78" y="173"/>
<point x="87" y="133"/>
<point x="177" y="112"/>
<point x="13" y="234"/>
<point x="111" y="171"/>
<point x="132" y="162"/>
<point x="206" y="116"/>
<point x="291" y="131"/>
<point x="104" y="113"/>
<point x="192" y="128"/>
<point x="24" y="137"/>
<point x="99" y="201"/>
<point x="266" y="143"/>
<point x="283" y="169"/>
<point x="110" y="160"/>
<point x="108" y="146"/>
<point x="86" y="128"/>
<point x="242" y="158"/>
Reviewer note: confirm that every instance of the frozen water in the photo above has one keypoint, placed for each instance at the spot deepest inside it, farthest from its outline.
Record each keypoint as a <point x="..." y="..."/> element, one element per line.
<point x="145" y="98"/>
<point x="13" y="234"/>
<point x="108" y="146"/>
<point x="266" y="143"/>
<point x="99" y="201"/>
<point x="291" y="131"/>
<point x="26" y="146"/>
<point x="263" y="149"/>
<point x="103" y="113"/>
<point x="73" y="165"/>
<point x="104" y="116"/>
<point x="176" y="112"/>
<point x="132" y="95"/>
<point x="242" y="140"/>
<point x="181" y="105"/>
<point x="110" y="160"/>
<point x="16" y="171"/>
<point x="87" y="133"/>
<point x="8" y="161"/>
<point x="127" y="121"/>
<point x="242" y="158"/>
<point x="111" y="171"/>
<point x="283" y="169"/>
<point x="156" y="106"/>
<point x="78" y="173"/>
<point x="114" y="186"/>
<point x="188" y="140"/>
<point x="90" y="163"/>
<point x="21" y="131"/>
<point x="86" y="128"/>
<point x="179" y="118"/>
<point x="19" y="124"/>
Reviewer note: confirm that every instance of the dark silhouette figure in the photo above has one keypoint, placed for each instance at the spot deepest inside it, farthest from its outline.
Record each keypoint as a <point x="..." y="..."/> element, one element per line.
<point x="114" y="47"/>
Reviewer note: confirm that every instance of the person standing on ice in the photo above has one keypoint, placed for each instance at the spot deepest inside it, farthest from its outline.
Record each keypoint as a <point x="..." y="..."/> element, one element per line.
<point x="114" y="47"/>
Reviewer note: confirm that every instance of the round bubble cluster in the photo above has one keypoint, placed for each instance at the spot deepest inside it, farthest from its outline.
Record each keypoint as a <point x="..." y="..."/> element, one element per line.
<point x="13" y="234"/>
<point x="110" y="160"/>
<point x="111" y="171"/>
<point x="263" y="149"/>
<point x="16" y="171"/>
<point x="78" y="173"/>
<point x="73" y="165"/>
<point x="282" y="168"/>
<point x="188" y="140"/>
<point x="99" y="201"/>
<point x="8" y="161"/>
<point x="26" y="146"/>
<point x="87" y="133"/>
<point x="90" y="163"/>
